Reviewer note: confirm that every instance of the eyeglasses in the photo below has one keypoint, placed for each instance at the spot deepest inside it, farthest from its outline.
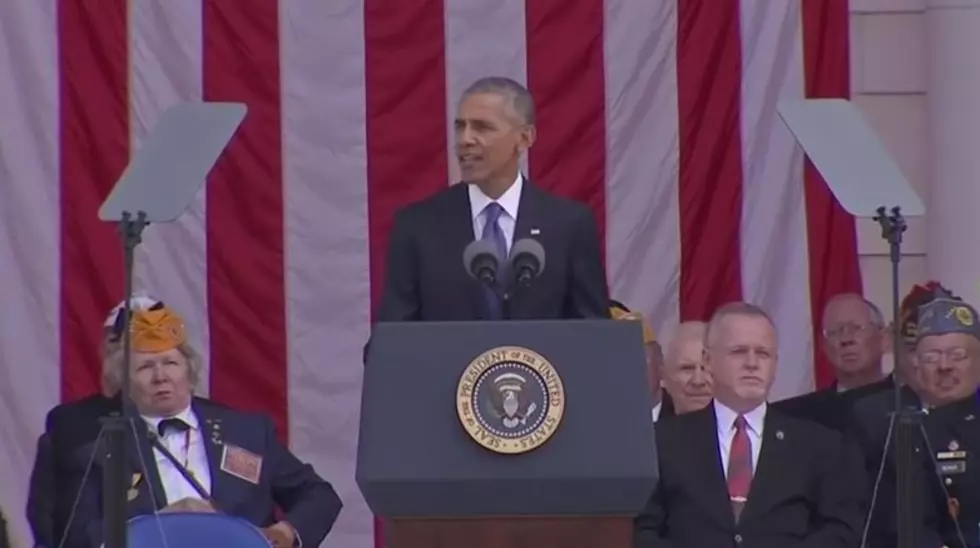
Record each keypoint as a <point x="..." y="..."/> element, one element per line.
<point x="935" y="357"/>
<point x="849" y="330"/>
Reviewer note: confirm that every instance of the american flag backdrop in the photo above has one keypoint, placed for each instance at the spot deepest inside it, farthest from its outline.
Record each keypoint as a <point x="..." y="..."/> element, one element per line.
<point x="660" y="114"/>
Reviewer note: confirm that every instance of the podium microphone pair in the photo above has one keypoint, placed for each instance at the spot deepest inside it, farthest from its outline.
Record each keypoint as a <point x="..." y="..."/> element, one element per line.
<point x="525" y="263"/>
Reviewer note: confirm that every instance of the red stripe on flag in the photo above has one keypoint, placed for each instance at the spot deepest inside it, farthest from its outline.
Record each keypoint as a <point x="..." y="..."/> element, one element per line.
<point x="93" y="53"/>
<point x="831" y="233"/>
<point x="405" y="87"/>
<point x="565" y="74"/>
<point x="246" y="287"/>
<point x="709" y="79"/>
<point x="405" y="81"/>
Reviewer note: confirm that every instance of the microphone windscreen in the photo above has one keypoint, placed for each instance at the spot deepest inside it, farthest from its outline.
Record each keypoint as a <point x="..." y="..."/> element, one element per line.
<point x="478" y="248"/>
<point x="528" y="246"/>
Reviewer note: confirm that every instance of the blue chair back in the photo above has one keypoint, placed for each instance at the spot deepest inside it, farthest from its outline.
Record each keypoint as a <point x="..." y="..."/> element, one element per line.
<point x="193" y="530"/>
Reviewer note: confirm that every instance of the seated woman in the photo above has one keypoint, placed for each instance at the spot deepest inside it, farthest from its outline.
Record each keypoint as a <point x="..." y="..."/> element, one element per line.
<point x="219" y="459"/>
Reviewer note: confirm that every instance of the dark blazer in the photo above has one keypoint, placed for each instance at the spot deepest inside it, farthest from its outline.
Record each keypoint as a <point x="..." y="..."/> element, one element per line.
<point x="867" y="428"/>
<point x="953" y="432"/>
<point x="803" y="494"/>
<point x="425" y="279"/>
<point x="307" y="502"/>
<point x="829" y="406"/>
<point x="4" y="532"/>
<point x="56" y="476"/>
<point x="666" y="406"/>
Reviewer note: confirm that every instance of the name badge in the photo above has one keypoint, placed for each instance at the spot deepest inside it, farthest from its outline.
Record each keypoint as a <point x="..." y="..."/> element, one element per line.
<point x="949" y="468"/>
<point x="241" y="463"/>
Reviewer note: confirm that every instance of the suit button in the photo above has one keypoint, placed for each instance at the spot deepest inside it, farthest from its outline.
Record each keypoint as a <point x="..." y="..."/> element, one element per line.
<point x="738" y="539"/>
<point x="949" y="481"/>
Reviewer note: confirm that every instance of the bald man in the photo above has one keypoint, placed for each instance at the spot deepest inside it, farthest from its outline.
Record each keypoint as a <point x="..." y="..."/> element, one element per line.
<point x="684" y="376"/>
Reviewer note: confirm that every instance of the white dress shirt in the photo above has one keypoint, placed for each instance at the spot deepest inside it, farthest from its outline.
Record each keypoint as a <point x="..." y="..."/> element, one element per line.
<point x="509" y="202"/>
<point x="656" y="411"/>
<point x="188" y="448"/>
<point x="726" y="431"/>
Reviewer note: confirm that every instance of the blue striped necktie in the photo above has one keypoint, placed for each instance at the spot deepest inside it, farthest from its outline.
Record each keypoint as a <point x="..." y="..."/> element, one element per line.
<point x="492" y="233"/>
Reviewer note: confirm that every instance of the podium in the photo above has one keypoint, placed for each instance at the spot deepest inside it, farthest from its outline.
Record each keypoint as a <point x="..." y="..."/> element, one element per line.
<point x="507" y="434"/>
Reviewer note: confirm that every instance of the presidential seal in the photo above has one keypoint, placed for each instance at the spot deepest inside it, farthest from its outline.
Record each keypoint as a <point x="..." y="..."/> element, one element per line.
<point x="510" y="400"/>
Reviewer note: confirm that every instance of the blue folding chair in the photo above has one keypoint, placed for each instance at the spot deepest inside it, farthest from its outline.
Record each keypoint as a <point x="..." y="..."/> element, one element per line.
<point x="193" y="530"/>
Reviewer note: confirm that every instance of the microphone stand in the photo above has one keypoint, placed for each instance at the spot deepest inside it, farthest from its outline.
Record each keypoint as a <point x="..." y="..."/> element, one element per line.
<point x="906" y="420"/>
<point x="116" y="426"/>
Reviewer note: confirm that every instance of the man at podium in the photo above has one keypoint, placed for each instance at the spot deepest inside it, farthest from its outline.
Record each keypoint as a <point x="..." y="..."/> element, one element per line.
<point x="426" y="276"/>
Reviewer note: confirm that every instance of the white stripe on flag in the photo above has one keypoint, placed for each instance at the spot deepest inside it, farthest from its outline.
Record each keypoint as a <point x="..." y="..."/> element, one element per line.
<point x="482" y="39"/>
<point x="774" y="251"/>
<point x="29" y="236"/>
<point x="327" y="256"/>
<point x="642" y="224"/>
<point x="165" y="56"/>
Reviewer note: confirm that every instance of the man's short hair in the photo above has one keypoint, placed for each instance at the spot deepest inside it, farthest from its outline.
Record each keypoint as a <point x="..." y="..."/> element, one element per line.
<point x="877" y="319"/>
<point x="519" y="97"/>
<point x="738" y="308"/>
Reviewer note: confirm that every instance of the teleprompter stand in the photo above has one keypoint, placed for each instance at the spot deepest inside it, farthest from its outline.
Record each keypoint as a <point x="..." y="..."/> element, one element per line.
<point x="117" y="426"/>
<point x="862" y="175"/>
<point x="159" y="184"/>
<point x="906" y="420"/>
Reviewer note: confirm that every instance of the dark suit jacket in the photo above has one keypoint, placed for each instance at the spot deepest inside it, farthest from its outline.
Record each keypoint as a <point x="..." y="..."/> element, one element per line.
<point x="830" y="407"/>
<point x="666" y="407"/>
<point x="425" y="279"/>
<point x="308" y="502"/>
<point x="56" y="476"/>
<point x="953" y="433"/>
<point x="4" y="532"/>
<point x="868" y="430"/>
<point x="803" y="494"/>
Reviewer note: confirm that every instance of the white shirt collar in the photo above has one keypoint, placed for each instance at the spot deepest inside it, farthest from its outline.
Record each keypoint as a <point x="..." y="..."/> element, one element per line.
<point x="656" y="411"/>
<point x="509" y="201"/>
<point x="726" y="418"/>
<point x="187" y="415"/>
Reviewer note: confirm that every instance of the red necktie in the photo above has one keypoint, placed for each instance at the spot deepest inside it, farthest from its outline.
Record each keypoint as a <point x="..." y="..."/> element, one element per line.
<point x="739" y="467"/>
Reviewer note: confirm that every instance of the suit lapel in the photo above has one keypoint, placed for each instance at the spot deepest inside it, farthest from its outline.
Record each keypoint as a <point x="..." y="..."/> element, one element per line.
<point x="773" y="456"/>
<point x="527" y="212"/>
<point x="143" y="461"/>
<point x="212" y="432"/>
<point x="708" y="467"/>
<point x="459" y="234"/>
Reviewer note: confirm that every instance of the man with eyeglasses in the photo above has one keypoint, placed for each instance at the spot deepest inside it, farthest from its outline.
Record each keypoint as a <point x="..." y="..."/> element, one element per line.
<point x="947" y="352"/>
<point x="854" y="342"/>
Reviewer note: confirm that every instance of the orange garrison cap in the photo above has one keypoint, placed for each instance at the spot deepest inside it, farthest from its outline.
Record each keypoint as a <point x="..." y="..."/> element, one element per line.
<point x="156" y="330"/>
<point x="620" y="313"/>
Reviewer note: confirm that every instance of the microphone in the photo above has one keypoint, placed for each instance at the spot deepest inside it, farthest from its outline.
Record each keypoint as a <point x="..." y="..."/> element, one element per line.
<point x="526" y="260"/>
<point x="481" y="261"/>
<point x="158" y="445"/>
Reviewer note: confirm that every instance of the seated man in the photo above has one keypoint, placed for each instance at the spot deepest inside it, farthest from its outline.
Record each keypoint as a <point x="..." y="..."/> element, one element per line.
<point x="739" y="473"/>
<point x="233" y="456"/>
<point x="686" y="380"/>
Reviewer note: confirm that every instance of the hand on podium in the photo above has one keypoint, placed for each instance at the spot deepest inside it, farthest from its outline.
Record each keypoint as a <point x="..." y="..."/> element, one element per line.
<point x="281" y="535"/>
<point x="189" y="504"/>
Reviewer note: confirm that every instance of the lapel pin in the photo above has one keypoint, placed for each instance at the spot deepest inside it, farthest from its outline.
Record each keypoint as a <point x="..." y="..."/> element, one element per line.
<point x="954" y="445"/>
<point x="131" y="495"/>
<point x="535" y="232"/>
<point x="968" y="417"/>
<point x="780" y="435"/>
